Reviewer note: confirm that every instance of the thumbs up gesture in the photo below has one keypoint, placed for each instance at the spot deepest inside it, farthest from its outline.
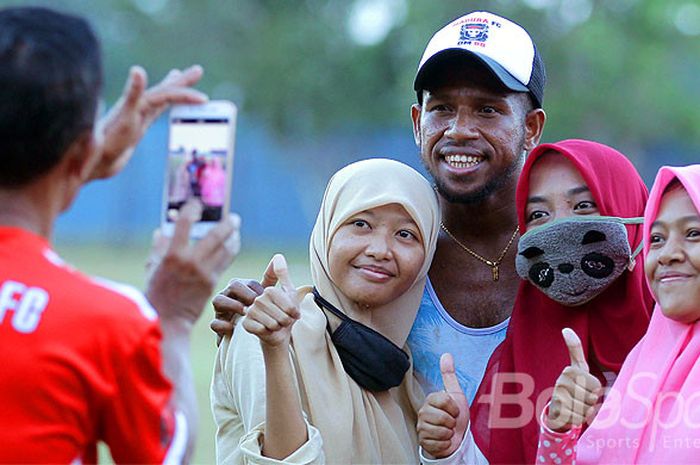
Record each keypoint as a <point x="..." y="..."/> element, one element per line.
<point x="576" y="391"/>
<point x="273" y="313"/>
<point x="443" y="418"/>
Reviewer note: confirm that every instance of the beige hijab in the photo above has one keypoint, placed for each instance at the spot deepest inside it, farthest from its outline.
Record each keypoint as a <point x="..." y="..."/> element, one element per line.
<point x="360" y="426"/>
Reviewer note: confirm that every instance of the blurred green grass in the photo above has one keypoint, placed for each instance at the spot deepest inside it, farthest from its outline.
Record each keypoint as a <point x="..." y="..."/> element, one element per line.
<point x="126" y="264"/>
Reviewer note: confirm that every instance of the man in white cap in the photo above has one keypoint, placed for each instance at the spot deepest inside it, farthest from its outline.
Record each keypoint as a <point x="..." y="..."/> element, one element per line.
<point x="480" y="87"/>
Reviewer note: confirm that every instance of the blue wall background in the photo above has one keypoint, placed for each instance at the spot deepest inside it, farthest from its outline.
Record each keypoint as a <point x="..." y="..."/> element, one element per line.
<point x="277" y="185"/>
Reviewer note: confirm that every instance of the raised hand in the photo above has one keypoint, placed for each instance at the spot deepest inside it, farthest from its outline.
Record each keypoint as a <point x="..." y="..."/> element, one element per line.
<point x="273" y="313"/>
<point x="444" y="417"/>
<point x="126" y="123"/>
<point x="576" y="391"/>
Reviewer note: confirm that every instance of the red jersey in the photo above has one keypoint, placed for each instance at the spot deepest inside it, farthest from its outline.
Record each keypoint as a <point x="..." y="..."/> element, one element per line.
<point x="80" y="362"/>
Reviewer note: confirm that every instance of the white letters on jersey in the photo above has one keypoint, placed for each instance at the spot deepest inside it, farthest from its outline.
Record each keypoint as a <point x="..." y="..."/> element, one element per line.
<point x="26" y="303"/>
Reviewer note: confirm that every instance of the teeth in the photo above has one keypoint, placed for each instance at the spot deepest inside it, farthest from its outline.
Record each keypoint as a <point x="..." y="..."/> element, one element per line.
<point x="463" y="161"/>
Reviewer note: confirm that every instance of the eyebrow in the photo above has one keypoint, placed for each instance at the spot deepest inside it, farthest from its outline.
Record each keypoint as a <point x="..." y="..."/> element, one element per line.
<point x="570" y="192"/>
<point x="441" y="93"/>
<point x="536" y="199"/>
<point x="578" y="190"/>
<point x="684" y="219"/>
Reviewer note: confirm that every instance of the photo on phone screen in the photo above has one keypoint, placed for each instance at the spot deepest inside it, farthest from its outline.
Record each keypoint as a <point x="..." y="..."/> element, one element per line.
<point x="199" y="161"/>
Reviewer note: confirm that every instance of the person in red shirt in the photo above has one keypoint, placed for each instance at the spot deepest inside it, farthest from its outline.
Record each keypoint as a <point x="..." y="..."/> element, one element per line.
<point x="82" y="359"/>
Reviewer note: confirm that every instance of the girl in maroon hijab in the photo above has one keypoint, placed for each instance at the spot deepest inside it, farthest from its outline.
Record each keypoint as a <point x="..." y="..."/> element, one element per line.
<point x="578" y="273"/>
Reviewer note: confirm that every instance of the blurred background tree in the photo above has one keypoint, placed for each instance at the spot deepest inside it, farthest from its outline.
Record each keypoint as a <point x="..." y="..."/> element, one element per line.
<point x="320" y="83"/>
<point x="620" y="70"/>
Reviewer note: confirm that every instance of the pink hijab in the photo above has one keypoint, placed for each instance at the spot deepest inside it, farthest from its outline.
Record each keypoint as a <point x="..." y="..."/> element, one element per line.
<point x="652" y="413"/>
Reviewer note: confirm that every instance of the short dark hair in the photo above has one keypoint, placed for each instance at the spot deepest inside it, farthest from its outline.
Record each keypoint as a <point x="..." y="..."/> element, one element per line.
<point x="50" y="81"/>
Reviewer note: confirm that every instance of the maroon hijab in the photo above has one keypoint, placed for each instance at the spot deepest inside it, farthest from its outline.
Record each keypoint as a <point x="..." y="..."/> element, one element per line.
<point x="609" y="325"/>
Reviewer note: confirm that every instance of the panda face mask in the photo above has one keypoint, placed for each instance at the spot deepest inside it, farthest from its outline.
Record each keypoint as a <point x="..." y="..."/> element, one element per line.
<point x="572" y="260"/>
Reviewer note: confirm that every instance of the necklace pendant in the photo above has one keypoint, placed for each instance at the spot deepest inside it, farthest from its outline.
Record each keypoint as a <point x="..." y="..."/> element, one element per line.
<point x="494" y="271"/>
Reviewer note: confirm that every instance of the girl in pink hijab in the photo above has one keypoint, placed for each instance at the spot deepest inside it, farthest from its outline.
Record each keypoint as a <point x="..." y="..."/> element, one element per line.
<point x="652" y="413"/>
<point x="213" y="183"/>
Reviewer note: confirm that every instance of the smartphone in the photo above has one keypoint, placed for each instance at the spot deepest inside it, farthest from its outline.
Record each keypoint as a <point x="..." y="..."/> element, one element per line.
<point x="200" y="163"/>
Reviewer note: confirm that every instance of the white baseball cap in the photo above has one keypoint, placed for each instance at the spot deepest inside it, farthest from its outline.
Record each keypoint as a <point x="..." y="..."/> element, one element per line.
<point x="500" y="44"/>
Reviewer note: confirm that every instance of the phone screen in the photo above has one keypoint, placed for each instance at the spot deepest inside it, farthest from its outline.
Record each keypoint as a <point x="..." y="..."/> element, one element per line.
<point x="198" y="164"/>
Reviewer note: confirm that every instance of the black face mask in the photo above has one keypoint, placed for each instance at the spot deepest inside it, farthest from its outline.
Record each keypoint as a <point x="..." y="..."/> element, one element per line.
<point x="372" y="360"/>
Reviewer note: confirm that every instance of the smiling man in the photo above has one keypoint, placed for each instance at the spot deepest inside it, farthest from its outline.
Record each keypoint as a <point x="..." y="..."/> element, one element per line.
<point x="480" y="86"/>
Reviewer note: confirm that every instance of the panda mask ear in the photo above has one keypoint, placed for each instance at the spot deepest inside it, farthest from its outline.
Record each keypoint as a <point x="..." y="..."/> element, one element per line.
<point x="592" y="237"/>
<point x="532" y="252"/>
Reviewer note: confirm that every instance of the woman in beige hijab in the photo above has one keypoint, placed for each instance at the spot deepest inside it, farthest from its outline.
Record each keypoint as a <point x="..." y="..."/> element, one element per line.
<point x="316" y="374"/>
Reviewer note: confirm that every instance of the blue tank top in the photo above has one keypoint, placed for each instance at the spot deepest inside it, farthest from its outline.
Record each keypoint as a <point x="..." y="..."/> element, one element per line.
<point x="435" y="332"/>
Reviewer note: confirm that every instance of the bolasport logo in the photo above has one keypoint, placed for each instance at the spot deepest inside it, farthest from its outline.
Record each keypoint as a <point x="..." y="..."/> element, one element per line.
<point x="663" y="415"/>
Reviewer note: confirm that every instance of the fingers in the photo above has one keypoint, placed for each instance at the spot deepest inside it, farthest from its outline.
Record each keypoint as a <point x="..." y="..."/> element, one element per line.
<point x="172" y="76"/>
<point x="255" y="286"/>
<point x="174" y="89"/>
<point x="441" y="402"/>
<point x="159" y="242"/>
<point x="575" y="394"/>
<point x="221" y="259"/>
<point x="159" y="245"/>
<point x="226" y="308"/>
<point x="233" y="243"/>
<point x="573" y="343"/>
<point x="283" y="301"/>
<point x="274" y="310"/>
<point x="242" y="291"/>
<point x="436" y="433"/>
<point x="159" y="98"/>
<point x="449" y="377"/>
<point x="219" y="246"/>
<point x="135" y="86"/>
<point x="255" y="327"/>
<point x="437" y="422"/>
<point x="221" y="328"/>
<point x="433" y="447"/>
<point x="281" y="270"/>
<point x="269" y="278"/>
<point x="187" y="216"/>
<point x="564" y="409"/>
<point x="187" y="77"/>
<point x="215" y="240"/>
<point x="579" y="384"/>
<point x="263" y="315"/>
<point x="563" y="401"/>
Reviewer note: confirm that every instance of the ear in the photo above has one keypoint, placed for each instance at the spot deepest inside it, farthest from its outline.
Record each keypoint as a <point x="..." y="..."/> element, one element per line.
<point x="415" y="116"/>
<point x="534" y="125"/>
<point x="80" y="159"/>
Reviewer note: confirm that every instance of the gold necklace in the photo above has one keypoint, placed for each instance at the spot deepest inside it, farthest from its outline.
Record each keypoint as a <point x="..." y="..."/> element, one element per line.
<point x="494" y="264"/>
